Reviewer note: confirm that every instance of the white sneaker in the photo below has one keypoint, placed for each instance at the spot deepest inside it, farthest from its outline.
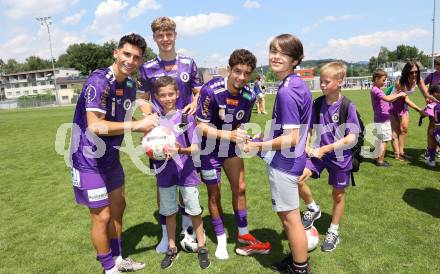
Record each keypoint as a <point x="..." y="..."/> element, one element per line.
<point x="128" y="265"/>
<point x="430" y="163"/>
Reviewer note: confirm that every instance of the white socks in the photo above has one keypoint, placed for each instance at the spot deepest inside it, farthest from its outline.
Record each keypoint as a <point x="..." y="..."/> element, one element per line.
<point x="313" y="206"/>
<point x="333" y="228"/>
<point x="243" y="230"/>
<point x="117" y="259"/>
<point x="221" y="252"/>
<point x="162" y="247"/>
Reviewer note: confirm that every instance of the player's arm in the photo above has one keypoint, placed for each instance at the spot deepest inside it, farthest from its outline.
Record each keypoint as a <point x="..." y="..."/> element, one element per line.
<point x="193" y="149"/>
<point x="394" y="97"/>
<point x="342" y="144"/>
<point x="98" y="125"/>
<point x="237" y="135"/>
<point x="424" y="91"/>
<point x="288" y="139"/>
<point x="412" y="105"/>
<point x="192" y="107"/>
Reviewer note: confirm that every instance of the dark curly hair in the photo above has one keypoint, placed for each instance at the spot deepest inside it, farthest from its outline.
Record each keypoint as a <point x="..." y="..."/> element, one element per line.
<point x="135" y="40"/>
<point x="242" y="57"/>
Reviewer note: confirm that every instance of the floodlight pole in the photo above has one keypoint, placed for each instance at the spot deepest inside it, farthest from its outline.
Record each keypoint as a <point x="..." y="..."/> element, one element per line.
<point x="47" y="21"/>
<point x="433" y="37"/>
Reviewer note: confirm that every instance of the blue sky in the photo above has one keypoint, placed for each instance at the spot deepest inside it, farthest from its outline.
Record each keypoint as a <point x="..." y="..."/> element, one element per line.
<point x="210" y="30"/>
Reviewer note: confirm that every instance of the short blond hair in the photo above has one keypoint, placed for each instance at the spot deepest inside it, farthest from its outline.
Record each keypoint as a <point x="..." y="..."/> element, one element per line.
<point x="163" y="24"/>
<point x="336" y="70"/>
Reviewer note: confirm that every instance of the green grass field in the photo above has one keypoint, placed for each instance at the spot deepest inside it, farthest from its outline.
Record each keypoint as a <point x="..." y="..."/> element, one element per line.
<point x="391" y="223"/>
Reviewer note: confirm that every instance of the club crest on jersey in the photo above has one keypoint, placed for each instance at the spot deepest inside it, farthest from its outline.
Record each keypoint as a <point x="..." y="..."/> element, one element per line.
<point x="247" y="96"/>
<point x="184" y="76"/>
<point x="127" y="104"/>
<point x="90" y="93"/>
<point x="335" y="118"/>
<point x="239" y="115"/>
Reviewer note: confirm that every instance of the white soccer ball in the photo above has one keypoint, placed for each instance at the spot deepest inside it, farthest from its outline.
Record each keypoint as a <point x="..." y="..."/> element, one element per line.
<point x="312" y="238"/>
<point x="189" y="240"/>
<point x="157" y="141"/>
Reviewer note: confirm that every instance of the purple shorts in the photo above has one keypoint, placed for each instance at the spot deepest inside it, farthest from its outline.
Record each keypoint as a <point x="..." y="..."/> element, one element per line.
<point x="211" y="169"/>
<point x="91" y="189"/>
<point x="336" y="178"/>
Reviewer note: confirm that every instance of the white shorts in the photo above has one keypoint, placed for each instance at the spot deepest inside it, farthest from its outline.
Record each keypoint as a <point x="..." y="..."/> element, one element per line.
<point x="284" y="189"/>
<point x="168" y="200"/>
<point x="260" y="96"/>
<point x="383" y="131"/>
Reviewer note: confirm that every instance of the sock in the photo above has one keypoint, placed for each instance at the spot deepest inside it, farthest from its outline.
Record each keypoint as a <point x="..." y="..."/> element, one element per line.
<point x="217" y="224"/>
<point x="333" y="228"/>
<point x="431" y="154"/>
<point x="241" y="221"/>
<point x="313" y="206"/>
<point x="162" y="219"/>
<point x="301" y="267"/>
<point x="186" y="218"/>
<point x="115" y="246"/>
<point x="106" y="260"/>
<point x="110" y="271"/>
<point x="162" y="247"/>
<point x="221" y="251"/>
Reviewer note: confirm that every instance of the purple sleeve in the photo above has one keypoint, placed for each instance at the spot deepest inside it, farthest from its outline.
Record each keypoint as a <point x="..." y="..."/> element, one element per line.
<point x="428" y="79"/>
<point x="192" y="130"/>
<point x="289" y="111"/>
<point x="195" y="79"/>
<point x="377" y="92"/>
<point x="352" y="120"/>
<point x="205" y="105"/>
<point x="96" y="93"/>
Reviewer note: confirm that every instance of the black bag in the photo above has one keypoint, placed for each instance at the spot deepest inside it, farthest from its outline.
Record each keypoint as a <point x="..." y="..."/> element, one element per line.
<point x="343" y="112"/>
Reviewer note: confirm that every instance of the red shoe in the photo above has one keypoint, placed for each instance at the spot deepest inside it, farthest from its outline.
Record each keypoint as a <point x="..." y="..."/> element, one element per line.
<point x="256" y="248"/>
<point x="247" y="239"/>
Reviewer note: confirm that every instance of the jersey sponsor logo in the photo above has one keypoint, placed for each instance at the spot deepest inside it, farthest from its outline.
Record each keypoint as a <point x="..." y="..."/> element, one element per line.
<point x="76" y="182"/>
<point x="119" y="92"/>
<point x="335" y="118"/>
<point x="90" y="93"/>
<point x="232" y="102"/>
<point x="185" y="61"/>
<point x="127" y="104"/>
<point x="247" y="96"/>
<point x="184" y="76"/>
<point x="159" y="75"/>
<point x="96" y="195"/>
<point x="210" y="174"/>
<point x="240" y="115"/>
<point x="129" y="84"/>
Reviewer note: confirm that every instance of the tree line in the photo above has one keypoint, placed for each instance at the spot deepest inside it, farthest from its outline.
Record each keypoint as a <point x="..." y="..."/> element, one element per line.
<point x="85" y="57"/>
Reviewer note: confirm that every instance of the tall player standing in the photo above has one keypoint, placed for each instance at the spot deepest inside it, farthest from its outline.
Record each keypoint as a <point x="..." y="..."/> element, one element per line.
<point x="97" y="174"/>
<point x="225" y="104"/>
<point x="184" y="71"/>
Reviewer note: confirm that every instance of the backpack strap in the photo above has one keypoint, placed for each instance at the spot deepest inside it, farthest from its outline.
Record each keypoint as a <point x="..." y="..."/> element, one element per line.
<point x="185" y="123"/>
<point x="352" y="179"/>
<point x="343" y="111"/>
<point x="317" y="104"/>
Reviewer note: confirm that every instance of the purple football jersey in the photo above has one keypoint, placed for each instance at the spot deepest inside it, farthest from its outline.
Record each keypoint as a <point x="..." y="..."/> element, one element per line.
<point x="433" y="78"/>
<point x="101" y="93"/>
<point x="328" y="132"/>
<point x="186" y="76"/>
<point x="291" y="110"/>
<point x="224" y="111"/>
<point x="381" y="108"/>
<point x="180" y="170"/>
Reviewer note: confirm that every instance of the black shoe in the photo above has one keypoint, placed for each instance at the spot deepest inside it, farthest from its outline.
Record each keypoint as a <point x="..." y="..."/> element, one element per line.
<point x="294" y="269"/>
<point x="204" y="261"/>
<point x="284" y="264"/>
<point x="170" y="256"/>
<point x="383" y="164"/>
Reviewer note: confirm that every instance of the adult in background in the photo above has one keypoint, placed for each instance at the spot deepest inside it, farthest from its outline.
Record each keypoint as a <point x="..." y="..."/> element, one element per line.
<point x="97" y="174"/>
